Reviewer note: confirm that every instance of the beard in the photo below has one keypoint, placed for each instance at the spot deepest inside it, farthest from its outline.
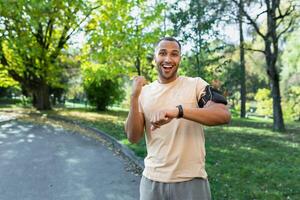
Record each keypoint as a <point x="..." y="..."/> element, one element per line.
<point x="167" y="76"/>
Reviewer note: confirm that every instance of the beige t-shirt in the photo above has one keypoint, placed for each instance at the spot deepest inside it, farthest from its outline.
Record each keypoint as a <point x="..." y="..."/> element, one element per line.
<point x="176" y="151"/>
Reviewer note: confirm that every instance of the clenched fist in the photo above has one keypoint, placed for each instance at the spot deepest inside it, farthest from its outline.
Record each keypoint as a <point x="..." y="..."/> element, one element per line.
<point x="138" y="83"/>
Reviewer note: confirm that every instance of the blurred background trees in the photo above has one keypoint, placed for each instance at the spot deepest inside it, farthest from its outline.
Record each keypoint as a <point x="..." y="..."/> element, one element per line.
<point x="33" y="38"/>
<point x="53" y="52"/>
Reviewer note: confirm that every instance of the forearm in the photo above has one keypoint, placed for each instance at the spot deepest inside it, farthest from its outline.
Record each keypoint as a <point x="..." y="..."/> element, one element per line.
<point x="213" y="115"/>
<point x="134" y="126"/>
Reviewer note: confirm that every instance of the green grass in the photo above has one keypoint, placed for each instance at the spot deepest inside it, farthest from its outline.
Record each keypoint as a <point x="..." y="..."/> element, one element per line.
<point x="245" y="159"/>
<point x="252" y="162"/>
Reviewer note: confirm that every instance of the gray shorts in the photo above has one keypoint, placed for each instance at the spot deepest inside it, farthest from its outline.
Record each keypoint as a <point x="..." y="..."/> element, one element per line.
<point x="195" y="189"/>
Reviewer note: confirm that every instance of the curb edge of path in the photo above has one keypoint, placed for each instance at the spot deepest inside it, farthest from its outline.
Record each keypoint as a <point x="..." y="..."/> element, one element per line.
<point x="124" y="149"/>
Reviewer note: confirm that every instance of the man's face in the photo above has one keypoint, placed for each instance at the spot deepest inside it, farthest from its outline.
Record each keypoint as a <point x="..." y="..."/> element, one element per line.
<point x="167" y="59"/>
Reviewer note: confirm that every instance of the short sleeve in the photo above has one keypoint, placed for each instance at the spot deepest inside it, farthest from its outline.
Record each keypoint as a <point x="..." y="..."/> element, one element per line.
<point x="141" y="110"/>
<point x="200" y="88"/>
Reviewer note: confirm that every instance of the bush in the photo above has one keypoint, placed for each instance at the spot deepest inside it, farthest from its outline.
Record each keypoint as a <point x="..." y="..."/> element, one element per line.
<point x="104" y="93"/>
<point x="291" y="104"/>
<point x="264" y="102"/>
<point x="103" y="86"/>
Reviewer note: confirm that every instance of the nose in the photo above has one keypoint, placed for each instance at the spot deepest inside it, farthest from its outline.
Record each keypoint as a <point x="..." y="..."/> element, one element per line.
<point x="167" y="58"/>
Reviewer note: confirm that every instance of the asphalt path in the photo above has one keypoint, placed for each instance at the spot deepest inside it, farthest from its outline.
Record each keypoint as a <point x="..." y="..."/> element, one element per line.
<point x="43" y="162"/>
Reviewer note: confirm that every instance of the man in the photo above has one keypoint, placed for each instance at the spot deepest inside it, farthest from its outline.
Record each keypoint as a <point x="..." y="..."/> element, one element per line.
<point x="168" y="110"/>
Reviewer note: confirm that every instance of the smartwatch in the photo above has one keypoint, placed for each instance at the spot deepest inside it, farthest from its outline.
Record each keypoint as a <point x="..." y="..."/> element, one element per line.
<point x="180" y="113"/>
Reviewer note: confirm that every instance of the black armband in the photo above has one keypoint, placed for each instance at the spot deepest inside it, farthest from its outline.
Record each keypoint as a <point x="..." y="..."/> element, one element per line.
<point x="211" y="94"/>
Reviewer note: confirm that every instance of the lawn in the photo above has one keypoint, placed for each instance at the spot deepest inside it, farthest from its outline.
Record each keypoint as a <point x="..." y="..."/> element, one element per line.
<point x="245" y="160"/>
<point x="252" y="162"/>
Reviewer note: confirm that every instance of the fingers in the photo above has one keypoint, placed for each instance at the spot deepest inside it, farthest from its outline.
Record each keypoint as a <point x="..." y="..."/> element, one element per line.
<point x="138" y="83"/>
<point x="154" y="127"/>
<point x="158" y="119"/>
<point x="141" y="80"/>
<point x="208" y="104"/>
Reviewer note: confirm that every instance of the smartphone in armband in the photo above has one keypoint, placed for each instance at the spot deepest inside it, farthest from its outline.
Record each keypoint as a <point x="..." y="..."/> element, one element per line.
<point x="211" y="94"/>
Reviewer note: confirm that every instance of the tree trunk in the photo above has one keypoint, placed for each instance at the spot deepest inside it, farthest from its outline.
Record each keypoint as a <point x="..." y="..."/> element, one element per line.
<point x="198" y="64"/>
<point x="278" y="123"/>
<point x="271" y="50"/>
<point x="242" y="63"/>
<point x="271" y="38"/>
<point x="138" y="65"/>
<point x="41" y="99"/>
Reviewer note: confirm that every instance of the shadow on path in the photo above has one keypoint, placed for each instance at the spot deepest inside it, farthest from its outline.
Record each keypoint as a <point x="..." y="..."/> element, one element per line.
<point x="45" y="162"/>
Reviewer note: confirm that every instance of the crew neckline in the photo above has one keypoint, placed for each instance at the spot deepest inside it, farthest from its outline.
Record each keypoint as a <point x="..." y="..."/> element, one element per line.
<point x="168" y="84"/>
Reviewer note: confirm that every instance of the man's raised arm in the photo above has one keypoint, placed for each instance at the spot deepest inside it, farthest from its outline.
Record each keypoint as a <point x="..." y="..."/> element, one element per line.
<point x="135" y="123"/>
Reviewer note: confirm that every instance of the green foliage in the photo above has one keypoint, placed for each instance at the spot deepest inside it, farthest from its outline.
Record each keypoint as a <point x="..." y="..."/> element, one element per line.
<point x="120" y="43"/>
<point x="290" y="61"/>
<point x="193" y="23"/>
<point x="264" y="102"/>
<point x="121" y="34"/>
<point x="102" y="85"/>
<point x="75" y="92"/>
<point x="6" y="80"/>
<point x="256" y="76"/>
<point x="8" y="86"/>
<point x="32" y="39"/>
<point x="274" y="26"/>
<point x="230" y="76"/>
<point x="291" y="104"/>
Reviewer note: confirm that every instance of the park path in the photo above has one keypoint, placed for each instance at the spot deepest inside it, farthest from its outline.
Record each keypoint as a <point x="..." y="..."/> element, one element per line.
<point x="51" y="163"/>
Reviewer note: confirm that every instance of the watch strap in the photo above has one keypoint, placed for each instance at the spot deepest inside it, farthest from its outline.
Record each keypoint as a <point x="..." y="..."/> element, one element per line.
<point x="180" y="113"/>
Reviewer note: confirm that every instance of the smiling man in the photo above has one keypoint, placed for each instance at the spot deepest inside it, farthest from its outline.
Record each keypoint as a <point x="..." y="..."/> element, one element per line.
<point x="172" y="111"/>
<point x="167" y="58"/>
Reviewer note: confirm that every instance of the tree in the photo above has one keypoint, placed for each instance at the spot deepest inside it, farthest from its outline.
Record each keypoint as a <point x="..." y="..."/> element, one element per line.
<point x="290" y="61"/>
<point x="233" y="14"/>
<point x="123" y="34"/>
<point x="242" y="61"/>
<point x="142" y="37"/>
<point x="194" y="23"/>
<point x="290" y="81"/>
<point x="275" y="15"/>
<point x="33" y="37"/>
<point x="120" y="43"/>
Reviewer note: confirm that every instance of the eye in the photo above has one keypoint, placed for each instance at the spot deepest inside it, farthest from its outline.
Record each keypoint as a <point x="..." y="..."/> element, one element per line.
<point x="162" y="53"/>
<point x="175" y="54"/>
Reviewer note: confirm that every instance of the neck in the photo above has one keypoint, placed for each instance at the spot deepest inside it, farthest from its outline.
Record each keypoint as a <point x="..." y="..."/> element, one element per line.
<point x="166" y="81"/>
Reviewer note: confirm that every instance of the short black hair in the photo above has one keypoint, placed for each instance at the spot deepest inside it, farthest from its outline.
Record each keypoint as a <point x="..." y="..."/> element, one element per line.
<point x="172" y="39"/>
